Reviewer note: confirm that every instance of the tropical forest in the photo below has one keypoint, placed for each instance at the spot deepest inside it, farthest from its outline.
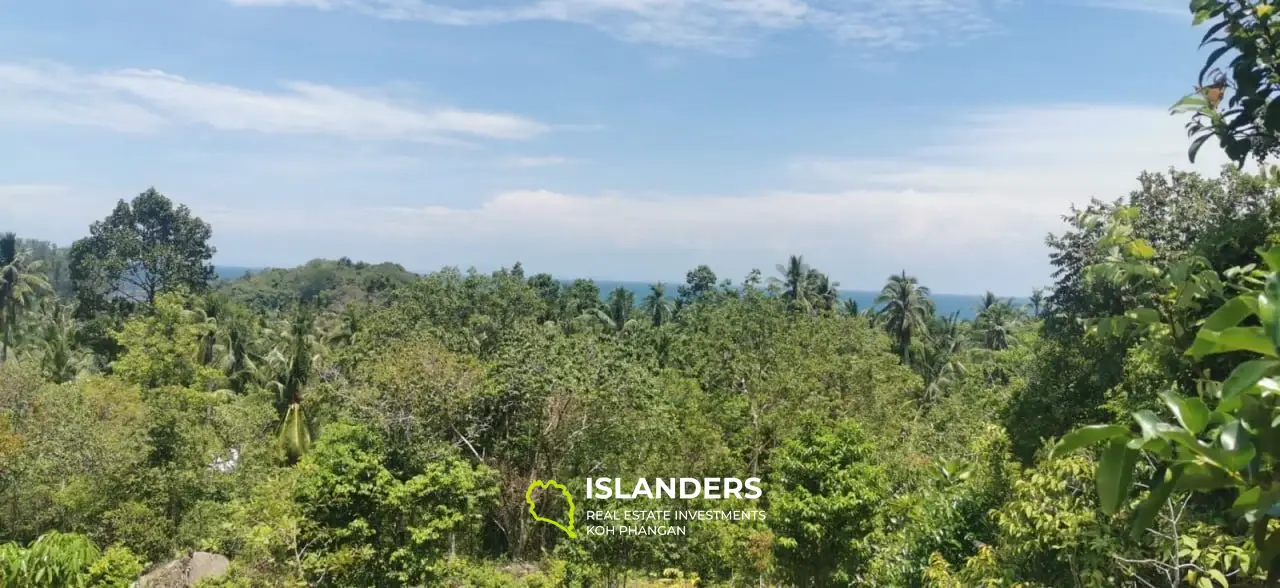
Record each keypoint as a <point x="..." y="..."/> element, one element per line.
<point x="352" y="423"/>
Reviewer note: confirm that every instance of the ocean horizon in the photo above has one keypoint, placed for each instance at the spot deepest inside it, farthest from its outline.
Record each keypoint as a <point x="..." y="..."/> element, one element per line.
<point x="963" y="305"/>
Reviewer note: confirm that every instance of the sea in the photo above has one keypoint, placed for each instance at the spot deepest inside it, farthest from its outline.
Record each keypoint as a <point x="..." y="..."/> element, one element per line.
<point x="964" y="305"/>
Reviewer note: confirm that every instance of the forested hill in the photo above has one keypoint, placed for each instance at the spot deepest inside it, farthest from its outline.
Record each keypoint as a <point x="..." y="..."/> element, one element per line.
<point x="319" y="275"/>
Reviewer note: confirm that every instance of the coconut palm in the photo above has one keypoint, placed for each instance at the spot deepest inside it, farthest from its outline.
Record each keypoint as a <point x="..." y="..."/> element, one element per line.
<point x="905" y="309"/>
<point x="988" y="300"/>
<point x="794" y="282"/>
<point x="850" y="307"/>
<point x="824" y="292"/>
<point x="1037" y="300"/>
<point x="618" y="307"/>
<point x="995" y="325"/>
<point x="656" y="305"/>
<point x="59" y="359"/>
<point x="294" y="363"/>
<point x="21" y="281"/>
<point x="942" y="357"/>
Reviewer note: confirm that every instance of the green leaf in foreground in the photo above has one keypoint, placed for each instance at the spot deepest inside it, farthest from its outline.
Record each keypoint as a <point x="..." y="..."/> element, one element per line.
<point x="1115" y="475"/>
<point x="1191" y="411"/>
<point x="1085" y="436"/>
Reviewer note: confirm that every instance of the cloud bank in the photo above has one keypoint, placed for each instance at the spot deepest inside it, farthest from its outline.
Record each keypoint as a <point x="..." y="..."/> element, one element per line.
<point x="722" y="26"/>
<point x="148" y="101"/>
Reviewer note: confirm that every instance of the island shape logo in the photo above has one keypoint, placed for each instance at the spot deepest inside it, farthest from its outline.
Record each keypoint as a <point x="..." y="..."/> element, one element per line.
<point x="528" y="498"/>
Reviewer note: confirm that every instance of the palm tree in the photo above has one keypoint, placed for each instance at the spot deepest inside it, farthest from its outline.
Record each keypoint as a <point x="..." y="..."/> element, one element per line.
<point x="906" y="310"/>
<point x="850" y="307"/>
<point x="995" y="324"/>
<point x="795" y="282"/>
<point x="988" y="300"/>
<point x="20" y="282"/>
<point x="656" y="306"/>
<point x="1037" y="301"/>
<point x="824" y="292"/>
<point x="59" y="359"/>
<point x="295" y="369"/>
<point x="943" y="358"/>
<point x="616" y="314"/>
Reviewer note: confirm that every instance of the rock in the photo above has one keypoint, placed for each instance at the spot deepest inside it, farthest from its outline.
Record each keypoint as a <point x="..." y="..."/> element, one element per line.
<point x="184" y="572"/>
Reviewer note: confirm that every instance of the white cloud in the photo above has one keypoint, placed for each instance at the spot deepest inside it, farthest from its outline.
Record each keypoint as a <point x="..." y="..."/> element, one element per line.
<point x="133" y="100"/>
<point x="966" y="210"/>
<point x="985" y="191"/>
<point x="540" y="161"/>
<point x="726" y="26"/>
<point x="1170" y="8"/>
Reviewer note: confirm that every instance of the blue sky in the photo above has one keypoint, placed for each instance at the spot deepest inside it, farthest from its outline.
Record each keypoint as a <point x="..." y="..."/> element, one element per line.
<point x="615" y="139"/>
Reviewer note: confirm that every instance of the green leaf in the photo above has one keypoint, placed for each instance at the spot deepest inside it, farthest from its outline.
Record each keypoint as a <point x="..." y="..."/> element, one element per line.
<point x="1218" y="577"/>
<point x="1241" y="339"/>
<point x="1115" y="475"/>
<point x="1233" y="436"/>
<point x="1230" y="313"/>
<point x="1191" y="411"/>
<point x="1085" y="436"/>
<point x="1213" y="30"/>
<point x="1196" y="144"/>
<point x="1212" y="59"/>
<point x="1151" y="505"/>
<point x="1146" y="316"/>
<point x="1246" y="375"/>
<point x="1140" y="249"/>
<point x="1271" y="257"/>
<point x="1150" y="424"/>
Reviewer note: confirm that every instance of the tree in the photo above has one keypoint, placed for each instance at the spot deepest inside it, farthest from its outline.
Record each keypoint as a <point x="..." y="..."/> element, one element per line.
<point x="699" y="283"/>
<point x="142" y="249"/>
<point x="795" y="282"/>
<point x="20" y="282"/>
<point x="618" y="308"/>
<point x="296" y="362"/>
<point x="1037" y="301"/>
<point x="656" y="305"/>
<point x="995" y="324"/>
<point x="823" y="497"/>
<point x="906" y="309"/>
<point x="822" y="290"/>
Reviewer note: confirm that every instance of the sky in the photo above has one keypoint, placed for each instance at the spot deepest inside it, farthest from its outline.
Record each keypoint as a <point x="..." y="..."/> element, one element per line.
<point x="611" y="139"/>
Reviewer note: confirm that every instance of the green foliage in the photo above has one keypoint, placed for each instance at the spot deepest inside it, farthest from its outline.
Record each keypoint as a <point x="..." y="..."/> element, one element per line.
<point x="1237" y="106"/>
<point x="117" y="567"/>
<point x="54" y="560"/>
<point x="375" y="526"/>
<point x="823" y="496"/>
<point x="336" y="283"/>
<point x="142" y="249"/>
<point x="162" y="348"/>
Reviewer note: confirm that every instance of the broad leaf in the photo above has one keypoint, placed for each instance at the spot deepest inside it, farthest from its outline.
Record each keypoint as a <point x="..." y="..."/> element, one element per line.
<point x="1191" y="411"/>
<point x="1154" y="501"/>
<point x="1085" y="436"/>
<point x="1115" y="475"/>
<point x="1246" y="375"/>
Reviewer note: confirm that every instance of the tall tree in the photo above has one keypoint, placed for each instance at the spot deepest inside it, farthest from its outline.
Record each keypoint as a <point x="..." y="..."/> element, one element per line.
<point x="297" y="364"/>
<point x="794" y="281"/>
<point x="699" y="283"/>
<point x="143" y="248"/>
<point x="21" y="281"/>
<point x="618" y="308"/>
<point x="906" y="309"/>
<point x="1037" y="300"/>
<point x="656" y="305"/>
<point x="823" y="292"/>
